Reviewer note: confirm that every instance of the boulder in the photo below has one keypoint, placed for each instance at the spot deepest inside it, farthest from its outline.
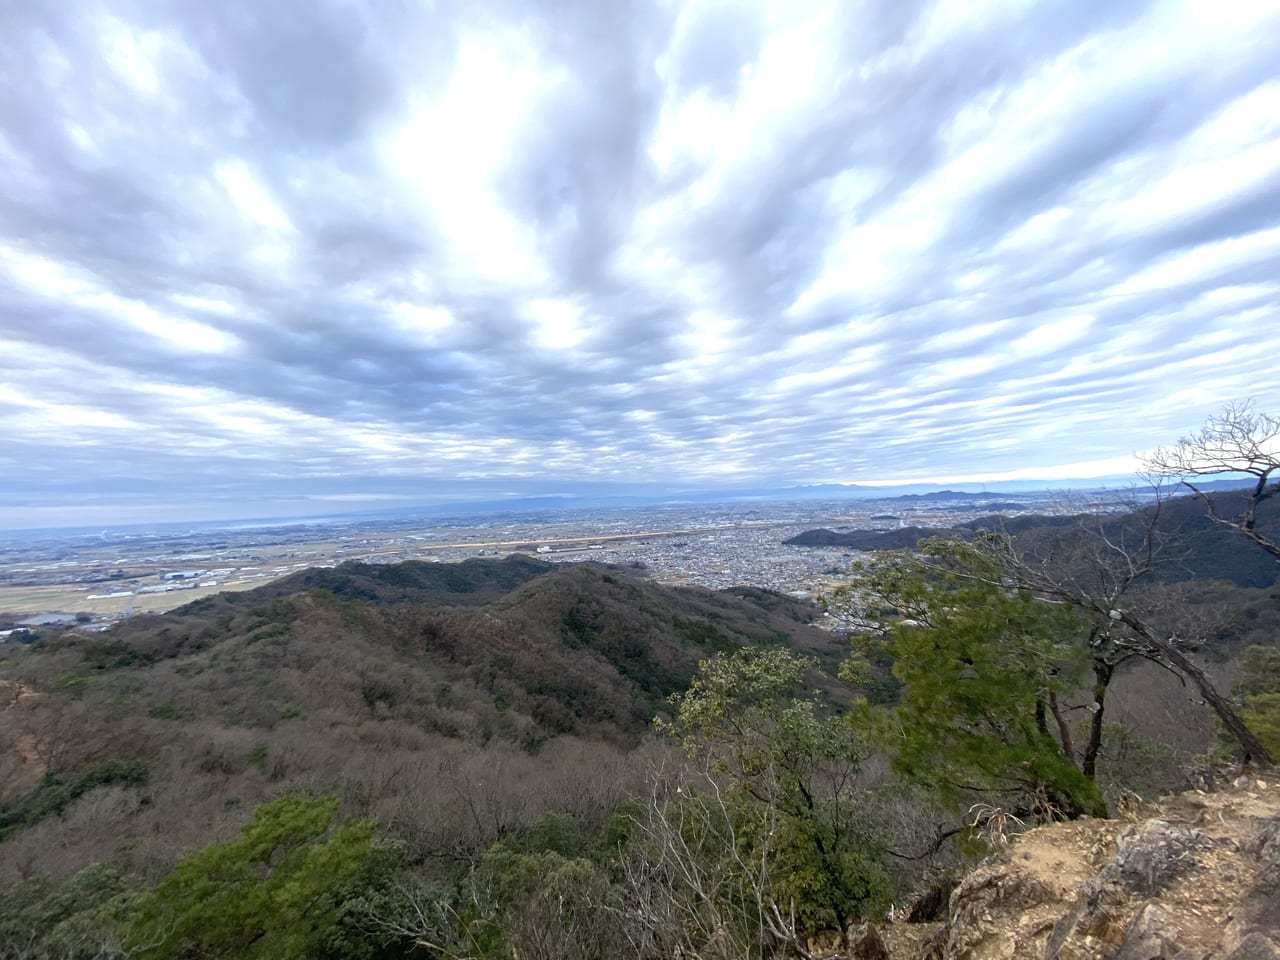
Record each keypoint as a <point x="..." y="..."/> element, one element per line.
<point x="1258" y="909"/>
<point x="982" y="909"/>
<point x="865" y="943"/>
<point x="1151" y="935"/>
<point x="1151" y="856"/>
<point x="1206" y="888"/>
<point x="1256" y="946"/>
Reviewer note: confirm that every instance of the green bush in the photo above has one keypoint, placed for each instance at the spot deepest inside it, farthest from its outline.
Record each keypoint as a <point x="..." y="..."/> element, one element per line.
<point x="56" y="792"/>
<point x="257" y="756"/>
<point x="772" y="810"/>
<point x="1260" y="685"/>
<point x="1262" y="716"/>
<point x="80" y="919"/>
<point x="539" y="904"/>
<point x="704" y="634"/>
<point x="273" y="892"/>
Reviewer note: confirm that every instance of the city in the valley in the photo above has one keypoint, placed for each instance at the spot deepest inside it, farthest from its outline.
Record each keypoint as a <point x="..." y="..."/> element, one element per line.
<point x="95" y="577"/>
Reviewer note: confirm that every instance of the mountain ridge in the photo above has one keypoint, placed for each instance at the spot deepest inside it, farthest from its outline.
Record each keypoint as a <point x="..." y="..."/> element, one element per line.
<point x="1207" y="551"/>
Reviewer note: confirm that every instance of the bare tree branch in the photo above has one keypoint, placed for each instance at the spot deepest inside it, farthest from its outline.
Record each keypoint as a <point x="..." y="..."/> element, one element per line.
<point x="1240" y="439"/>
<point x="1094" y="569"/>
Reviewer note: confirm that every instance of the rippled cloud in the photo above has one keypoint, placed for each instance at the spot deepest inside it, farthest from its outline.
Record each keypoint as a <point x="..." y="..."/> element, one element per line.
<point x="408" y="250"/>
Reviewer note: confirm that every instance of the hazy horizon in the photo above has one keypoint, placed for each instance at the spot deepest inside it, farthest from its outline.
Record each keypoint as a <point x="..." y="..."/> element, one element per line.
<point x="292" y="253"/>
<point x="340" y="507"/>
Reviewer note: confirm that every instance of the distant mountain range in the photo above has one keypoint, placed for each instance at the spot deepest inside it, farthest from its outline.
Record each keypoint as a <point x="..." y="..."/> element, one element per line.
<point x="1204" y="549"/>
<point x="998" y="495"/>
<point x="1013" y="491"/>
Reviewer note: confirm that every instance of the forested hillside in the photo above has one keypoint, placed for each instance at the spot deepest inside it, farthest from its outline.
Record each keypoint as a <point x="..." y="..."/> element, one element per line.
<point x="1204" y="552"/>
<point x="453" y="704"/>
<point x="509" y="758"/>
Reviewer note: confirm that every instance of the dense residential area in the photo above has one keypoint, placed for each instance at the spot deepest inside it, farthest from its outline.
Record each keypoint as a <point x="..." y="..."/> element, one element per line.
<point x="108" y="574"/>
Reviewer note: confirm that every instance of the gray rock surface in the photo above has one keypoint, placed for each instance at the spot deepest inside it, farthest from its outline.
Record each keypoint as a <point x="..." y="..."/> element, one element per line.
<point x="1150" y="856"/>
<point x="1205" y="888"/>
<point x="865" y="943"/>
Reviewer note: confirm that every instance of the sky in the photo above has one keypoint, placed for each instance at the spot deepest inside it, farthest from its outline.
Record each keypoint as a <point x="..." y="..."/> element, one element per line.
<point x="293" y="254"/>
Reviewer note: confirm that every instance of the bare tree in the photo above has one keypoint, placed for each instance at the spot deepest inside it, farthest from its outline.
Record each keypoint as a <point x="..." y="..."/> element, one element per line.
<point x="693" y="887"/>
<point x="1094" y="568"/>
<point x="1240" y="439"/>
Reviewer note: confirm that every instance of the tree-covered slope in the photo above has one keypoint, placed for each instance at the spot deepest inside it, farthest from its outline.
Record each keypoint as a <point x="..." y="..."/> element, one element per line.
<point x="394" y="703"/>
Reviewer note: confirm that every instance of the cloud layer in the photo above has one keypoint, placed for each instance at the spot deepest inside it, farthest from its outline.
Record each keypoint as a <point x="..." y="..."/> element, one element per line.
<point x="412" y="247"/>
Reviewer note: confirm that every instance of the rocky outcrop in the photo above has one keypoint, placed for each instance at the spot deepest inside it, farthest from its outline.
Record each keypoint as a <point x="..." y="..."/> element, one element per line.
<point x="865" y="943"/>
<point x="1196" y="877"/>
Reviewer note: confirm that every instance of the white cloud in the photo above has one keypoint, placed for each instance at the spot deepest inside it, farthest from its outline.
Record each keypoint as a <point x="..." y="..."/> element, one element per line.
<point x="803" y="241"/>
<point x="1204" y="262"/>
<point x="557" y="324"/>
<point x="1052" y="336"/>
<point x="451" y="147"/>
<point x="253" y="201"/>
